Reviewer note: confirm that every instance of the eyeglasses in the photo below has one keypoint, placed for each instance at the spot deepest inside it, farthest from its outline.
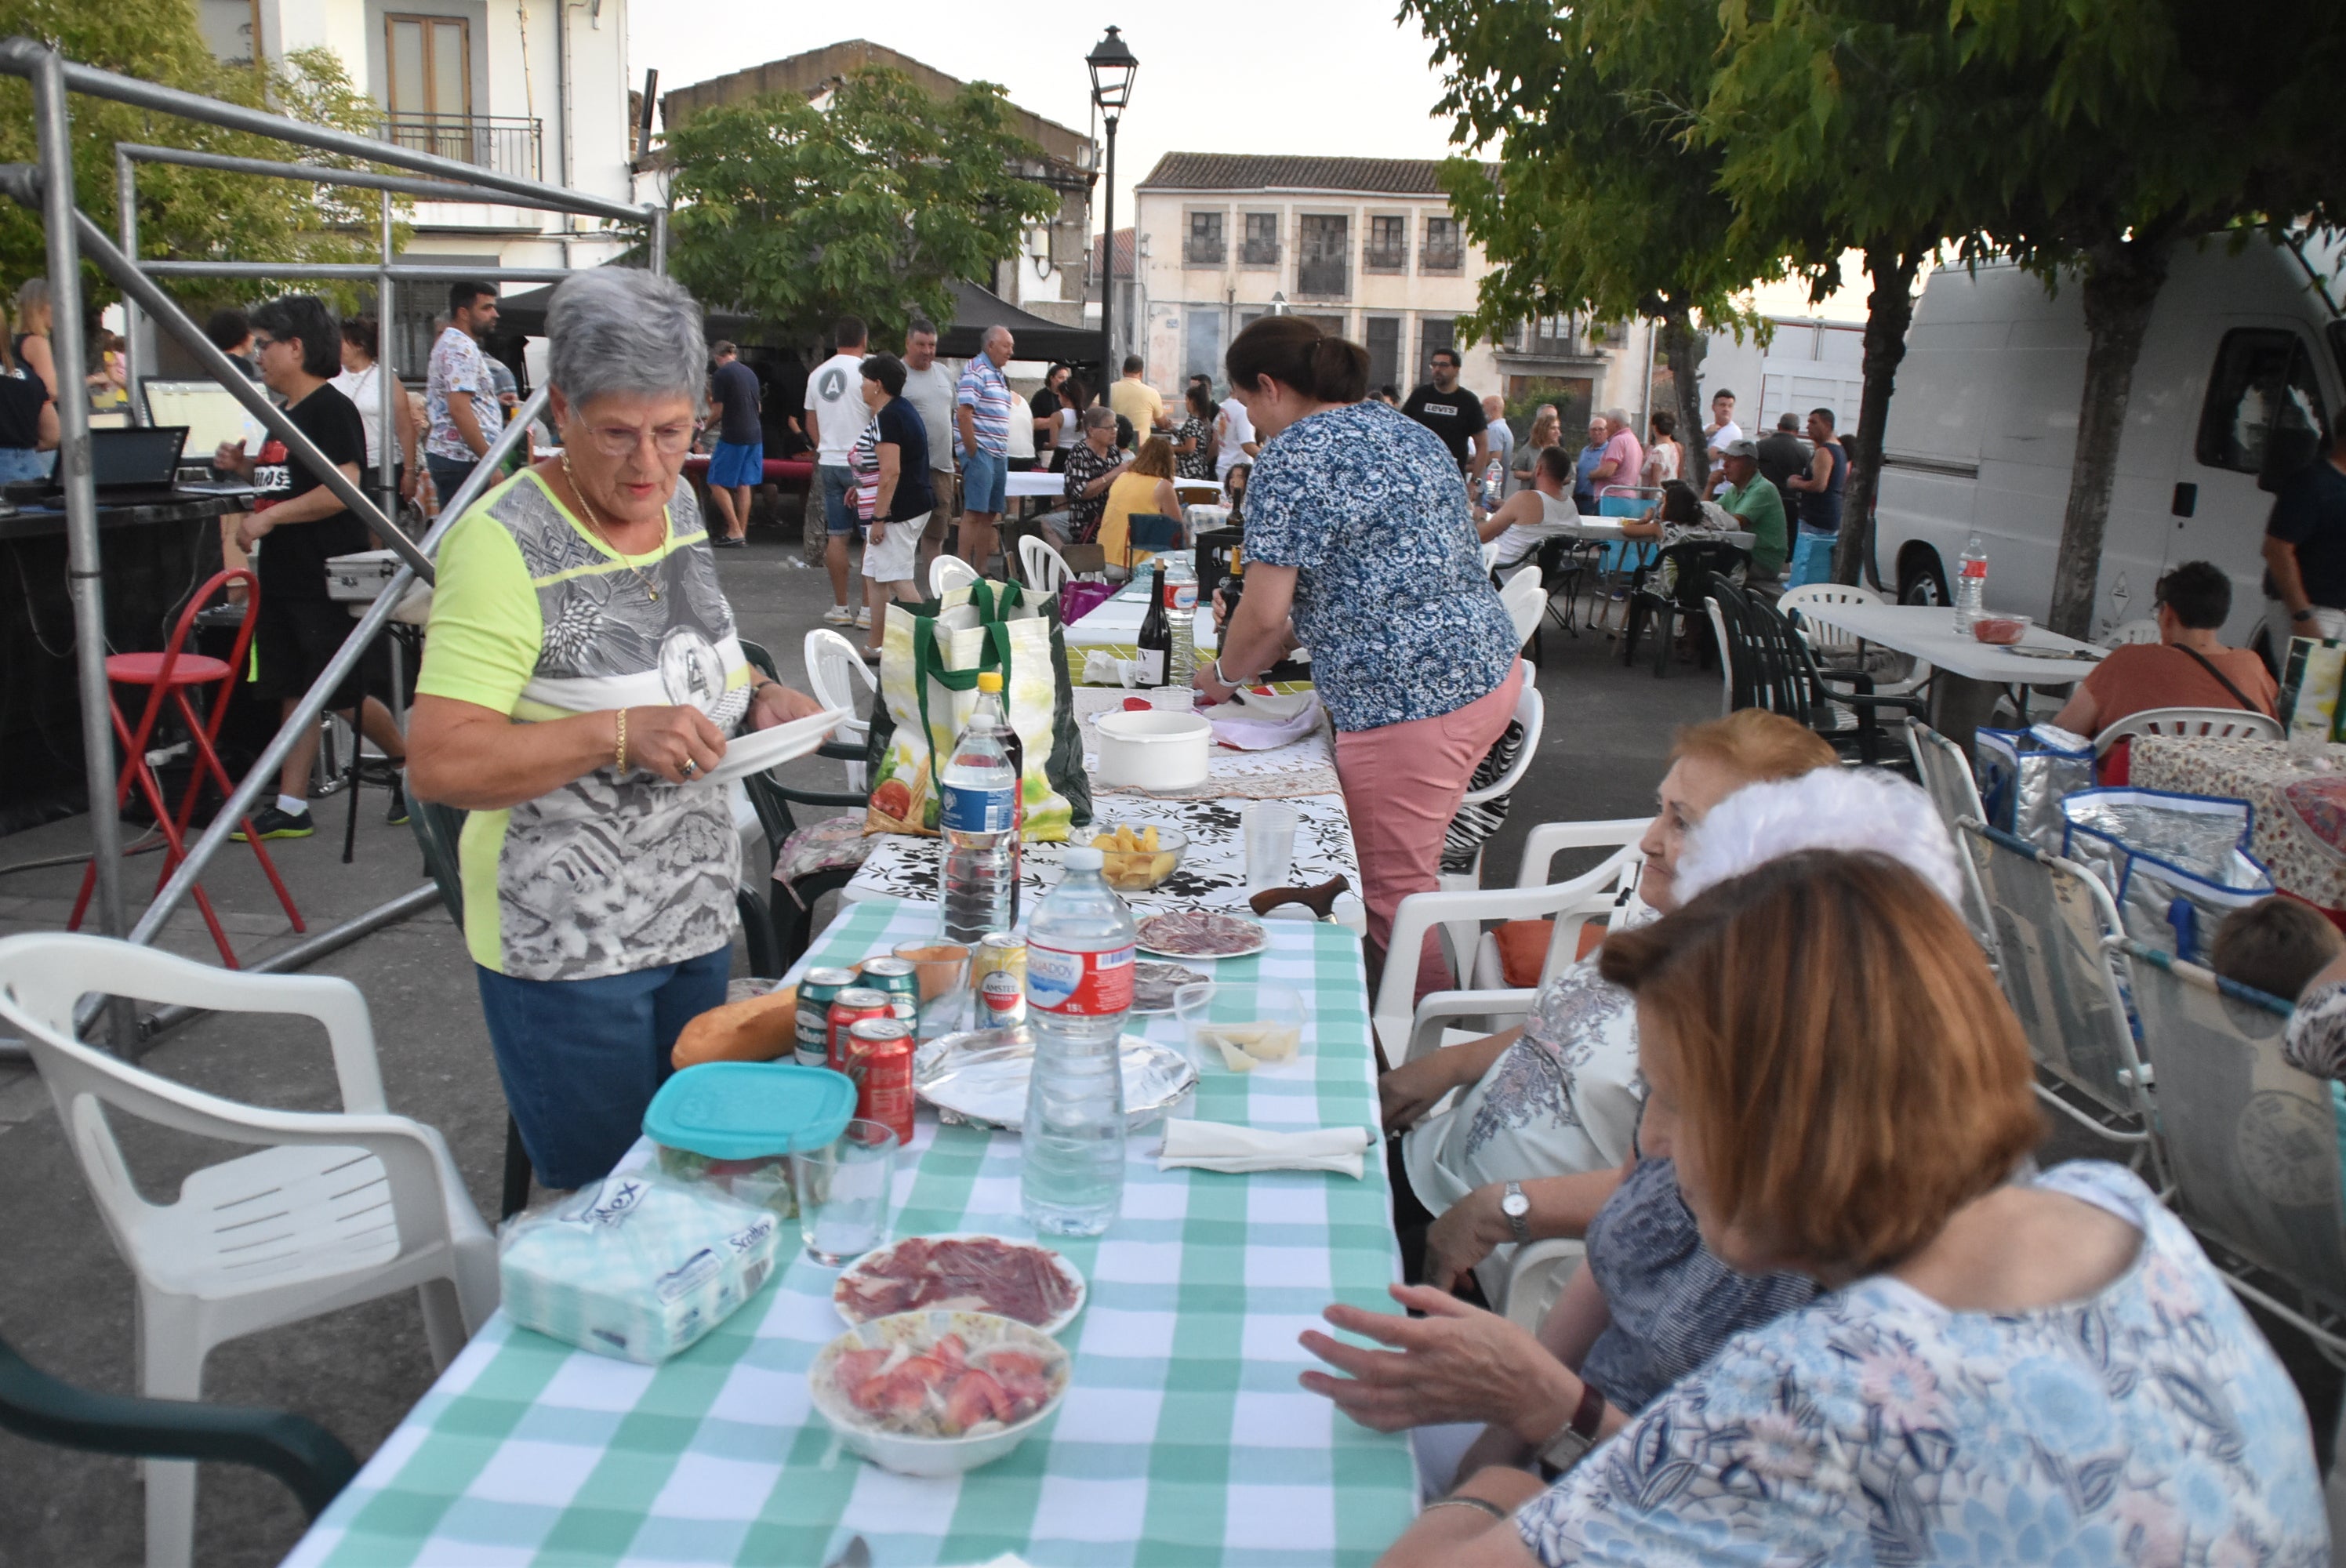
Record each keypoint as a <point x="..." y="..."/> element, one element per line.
<point x="261" y="344"/>
<point x="622" y="441"/>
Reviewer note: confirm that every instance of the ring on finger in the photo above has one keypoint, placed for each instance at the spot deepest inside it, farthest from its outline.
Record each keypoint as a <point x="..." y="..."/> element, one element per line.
<point x="688" y="768"/>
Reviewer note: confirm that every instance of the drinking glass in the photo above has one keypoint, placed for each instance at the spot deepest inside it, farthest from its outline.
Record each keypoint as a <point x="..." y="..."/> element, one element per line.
<point x="1269" y="830"/>
<point x="843" y="1193"/>
<point x="942" y="970"/>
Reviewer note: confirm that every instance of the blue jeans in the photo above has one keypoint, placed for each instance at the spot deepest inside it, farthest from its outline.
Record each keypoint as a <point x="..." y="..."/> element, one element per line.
<point x="838" y="485"/>
<point x="581" y="1059"/>
<point x="447" y="474"/>
<point x="985" y="480"/>
<point x="20" y="462"/>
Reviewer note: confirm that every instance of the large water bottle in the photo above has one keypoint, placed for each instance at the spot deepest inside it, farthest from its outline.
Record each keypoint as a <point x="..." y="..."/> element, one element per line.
<point x="977" y="822"/>
<point x="1971" y="584"/>
<point x="1181" y="603"/>
<point x="1080" y="949"/>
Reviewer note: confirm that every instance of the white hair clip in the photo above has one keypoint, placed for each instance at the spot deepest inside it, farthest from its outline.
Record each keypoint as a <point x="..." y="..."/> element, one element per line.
<point x="1845" y="808"/>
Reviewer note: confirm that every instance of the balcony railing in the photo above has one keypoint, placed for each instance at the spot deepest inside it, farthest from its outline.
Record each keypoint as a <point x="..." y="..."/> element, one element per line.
<point x="509" y="143"/>
<point x="1202" y="252"/>
<point x="1441" y="258"/>
<point x="1258" y="253"/>
<point x="1388" y="260"/>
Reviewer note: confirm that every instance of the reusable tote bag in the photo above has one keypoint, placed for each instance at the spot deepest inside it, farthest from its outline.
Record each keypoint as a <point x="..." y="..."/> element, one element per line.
<point x="2023" y="774"/>
<point x="930" y="660"/>
<point x="2178" y="865"/>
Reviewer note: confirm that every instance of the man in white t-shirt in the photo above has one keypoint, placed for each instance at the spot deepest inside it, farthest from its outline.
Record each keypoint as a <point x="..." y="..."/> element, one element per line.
<point x="929" y="387"/>
<point x="835" y="415"/>
<point x="1234" y="441"/>
<point x="1721" y="429"/>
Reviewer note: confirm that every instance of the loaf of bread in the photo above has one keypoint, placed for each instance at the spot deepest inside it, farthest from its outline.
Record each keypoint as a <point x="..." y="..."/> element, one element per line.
<point x="758" y="1030"/>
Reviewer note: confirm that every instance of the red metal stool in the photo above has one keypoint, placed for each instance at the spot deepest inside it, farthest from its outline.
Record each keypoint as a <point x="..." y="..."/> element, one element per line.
<point x="170" y="675"/>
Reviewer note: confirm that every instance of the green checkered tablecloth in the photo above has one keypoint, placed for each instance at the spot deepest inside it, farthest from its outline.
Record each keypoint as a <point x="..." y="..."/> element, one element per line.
<point x="1183" y="1438"/>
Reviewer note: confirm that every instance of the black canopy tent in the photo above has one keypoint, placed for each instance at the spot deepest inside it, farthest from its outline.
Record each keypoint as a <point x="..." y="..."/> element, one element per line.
<point x="975" y="309"/>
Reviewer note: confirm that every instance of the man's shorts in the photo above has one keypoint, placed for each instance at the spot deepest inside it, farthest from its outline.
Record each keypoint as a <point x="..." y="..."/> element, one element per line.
<point x="292" y="640"/>
<point x="890" y="560"/>
<point x="732" y="464"/>
<point x="838" y="498"/>
<point x="984" y="483"/>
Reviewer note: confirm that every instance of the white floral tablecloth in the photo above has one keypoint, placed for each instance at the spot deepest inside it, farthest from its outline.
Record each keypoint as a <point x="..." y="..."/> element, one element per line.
<point x="2256" y="771"/>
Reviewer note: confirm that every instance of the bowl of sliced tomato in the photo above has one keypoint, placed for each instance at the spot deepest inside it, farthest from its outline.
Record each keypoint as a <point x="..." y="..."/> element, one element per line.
<point x="938" y="1393"/>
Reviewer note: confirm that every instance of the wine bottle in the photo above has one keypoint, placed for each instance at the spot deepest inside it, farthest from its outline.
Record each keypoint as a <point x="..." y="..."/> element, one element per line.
<point x="1156" y="636"/>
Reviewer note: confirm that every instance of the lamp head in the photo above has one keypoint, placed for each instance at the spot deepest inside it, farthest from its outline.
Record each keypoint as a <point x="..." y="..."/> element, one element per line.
<point x="1112" y="67"/>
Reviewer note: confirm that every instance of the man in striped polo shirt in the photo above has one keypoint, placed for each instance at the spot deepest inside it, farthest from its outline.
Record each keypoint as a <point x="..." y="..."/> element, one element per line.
<point x="982" y="418"/>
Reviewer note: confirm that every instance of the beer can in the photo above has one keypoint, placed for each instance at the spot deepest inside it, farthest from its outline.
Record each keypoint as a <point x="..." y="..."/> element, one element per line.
<point x="851" y="1007"/>
<point x="817" y="990"/>
<point x="898" y="979"/>
<point x="880" y="1060"/>
<point x="997" y="970"/>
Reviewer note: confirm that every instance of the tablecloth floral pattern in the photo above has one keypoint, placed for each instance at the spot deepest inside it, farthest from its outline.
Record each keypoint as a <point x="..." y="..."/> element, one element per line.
<point x="2257" y="771"/>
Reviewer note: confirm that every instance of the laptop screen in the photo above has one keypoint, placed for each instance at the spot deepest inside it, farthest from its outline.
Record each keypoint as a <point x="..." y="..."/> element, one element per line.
<point x="207" y="409"/>
<point x="134" y="455"/>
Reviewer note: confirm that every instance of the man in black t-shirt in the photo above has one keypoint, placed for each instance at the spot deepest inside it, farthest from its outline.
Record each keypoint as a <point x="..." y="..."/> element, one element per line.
<point x="1452" y="413"/>
<point x="297" y="628"/>
<point x="2305" y="542"/>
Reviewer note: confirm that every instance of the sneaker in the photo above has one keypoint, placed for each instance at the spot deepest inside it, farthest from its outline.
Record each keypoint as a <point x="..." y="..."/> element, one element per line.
<point x="269" y="822"/>
<point x="839" y="616"/>
<point x="863" y="615"/>
<point x="396" y="816"/>
<point x="729" y="541"/>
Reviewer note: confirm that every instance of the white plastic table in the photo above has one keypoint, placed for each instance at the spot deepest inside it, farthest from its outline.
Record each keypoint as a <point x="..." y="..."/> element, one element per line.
<point x="1970" y="673"/>
<point x="1035" y="482"/>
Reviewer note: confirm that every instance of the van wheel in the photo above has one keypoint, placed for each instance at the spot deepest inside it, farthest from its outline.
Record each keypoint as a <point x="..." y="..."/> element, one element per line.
<point x="1921" y="582"/>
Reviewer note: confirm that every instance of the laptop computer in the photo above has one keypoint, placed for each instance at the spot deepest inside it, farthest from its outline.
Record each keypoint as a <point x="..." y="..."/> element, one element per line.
<point x="134" y="465"/>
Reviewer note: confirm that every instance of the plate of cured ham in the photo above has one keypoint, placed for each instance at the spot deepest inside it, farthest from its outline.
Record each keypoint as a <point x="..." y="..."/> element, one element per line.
<point x="1201" y="934"/>
<point x="968" y="1272"/>
<point x="936" y="1393"/>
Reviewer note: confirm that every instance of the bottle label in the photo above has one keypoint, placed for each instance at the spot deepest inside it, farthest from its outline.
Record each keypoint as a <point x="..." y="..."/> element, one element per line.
<point x="1977" y="569"/>
<point x="1152" y="666"/>
<point x="1184" y="598"/>
<point x="1078" y="985"/>
<point x="963" y="810"/>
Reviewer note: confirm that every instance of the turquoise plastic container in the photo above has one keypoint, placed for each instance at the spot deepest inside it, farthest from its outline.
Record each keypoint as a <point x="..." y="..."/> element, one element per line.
<point x="736" y="1124"/>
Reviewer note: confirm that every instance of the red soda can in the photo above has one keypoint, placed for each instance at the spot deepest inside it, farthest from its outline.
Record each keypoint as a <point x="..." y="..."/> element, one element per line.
<point x="880" y="1060"/>
<point x="848" y="1009"/>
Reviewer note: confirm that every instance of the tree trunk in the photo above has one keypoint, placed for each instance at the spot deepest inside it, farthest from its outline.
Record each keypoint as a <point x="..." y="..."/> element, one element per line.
<point x="2122" y="282"/>
<point x="1889" y="307"/>
<point x="1682" y="349"/>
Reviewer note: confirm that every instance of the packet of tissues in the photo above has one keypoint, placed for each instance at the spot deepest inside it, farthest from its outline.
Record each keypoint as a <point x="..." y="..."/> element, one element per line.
<point x="637" y="1267"/>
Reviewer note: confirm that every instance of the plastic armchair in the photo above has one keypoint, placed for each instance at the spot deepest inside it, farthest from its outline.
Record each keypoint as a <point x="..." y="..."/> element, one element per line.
<point x="1045" y="568"/>
<point x="949" y="572"/>
<point x="2198" y="723"/>
<point x="333" y="1209"/>
<point x="1822" y="636"/>
<point x="2140" y="630"/>
<point x="837" y="674"/>
<point x="1531" y="711"/>
<point x="1525" y="598"/>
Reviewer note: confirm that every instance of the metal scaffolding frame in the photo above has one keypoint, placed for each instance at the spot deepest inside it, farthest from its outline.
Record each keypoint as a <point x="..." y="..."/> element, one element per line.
<point x="47" y="188"/>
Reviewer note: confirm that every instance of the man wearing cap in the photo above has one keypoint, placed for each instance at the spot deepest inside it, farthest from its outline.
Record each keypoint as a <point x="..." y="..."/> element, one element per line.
<point x="1759" y="504"/>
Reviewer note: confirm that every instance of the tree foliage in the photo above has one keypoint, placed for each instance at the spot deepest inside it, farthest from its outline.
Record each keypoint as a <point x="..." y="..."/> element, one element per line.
<point x="187" y="214"/>
<point x="871" y="205"/>
<point x="1598" y="205"/>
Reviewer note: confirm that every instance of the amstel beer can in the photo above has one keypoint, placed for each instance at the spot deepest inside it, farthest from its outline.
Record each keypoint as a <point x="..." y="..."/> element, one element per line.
<point x="998" y="971"/>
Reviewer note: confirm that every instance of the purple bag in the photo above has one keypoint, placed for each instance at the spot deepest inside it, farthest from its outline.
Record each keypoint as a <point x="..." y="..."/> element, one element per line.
<point x="1077" y="599"/>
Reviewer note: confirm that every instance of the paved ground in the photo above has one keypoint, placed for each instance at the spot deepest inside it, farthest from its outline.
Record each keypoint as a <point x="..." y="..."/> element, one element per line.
<point x="68" y="1304"/>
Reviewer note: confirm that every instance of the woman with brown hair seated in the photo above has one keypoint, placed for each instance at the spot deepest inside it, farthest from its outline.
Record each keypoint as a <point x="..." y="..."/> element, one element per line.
<point x="1143" y="488"/>
<point x="2007" y="1368"/>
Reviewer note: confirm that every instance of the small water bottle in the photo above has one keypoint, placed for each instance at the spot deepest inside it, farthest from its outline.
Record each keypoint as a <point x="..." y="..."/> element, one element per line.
<point x="1181" y="603"/>
<point x="1971" y="584"/>
<point x="1079" y="952"/>
<point x="977" y="822"/>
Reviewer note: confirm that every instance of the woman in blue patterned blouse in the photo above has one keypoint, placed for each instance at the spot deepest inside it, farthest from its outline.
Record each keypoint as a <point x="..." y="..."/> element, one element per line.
<point x="2007" y="1371"/>
<point x="1359" y="547"/>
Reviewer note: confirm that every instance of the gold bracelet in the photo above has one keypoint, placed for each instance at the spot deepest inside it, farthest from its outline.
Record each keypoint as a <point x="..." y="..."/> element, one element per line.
<point x="1484" y="1504"/>
<point x="620" y="756"/>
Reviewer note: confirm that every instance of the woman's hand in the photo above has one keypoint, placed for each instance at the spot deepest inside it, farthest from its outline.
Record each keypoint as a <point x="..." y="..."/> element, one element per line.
<point x="1205" y="681"/>
<point x="1458" y="1363"/>
<point x="1466" y="1233"/>
<point x="774" y="702"/>
<point x="1411" y="1089"/>
<point x="663" y="740"/>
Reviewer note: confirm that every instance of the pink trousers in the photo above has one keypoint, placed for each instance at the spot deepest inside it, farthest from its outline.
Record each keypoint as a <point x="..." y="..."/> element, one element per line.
<point x="1403" y="783"/>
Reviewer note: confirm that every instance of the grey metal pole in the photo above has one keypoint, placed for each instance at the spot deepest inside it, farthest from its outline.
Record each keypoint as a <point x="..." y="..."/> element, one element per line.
<point x="659" y="238"/>
<point x="354" y="272"/>
<point x="125" y="210"/>
<point x="134" y="284"/>
<point x="359" y="179"/>
<point x="55" y="204"/>
<point x="301" y="954"/>
<point x="386" y="383"/>
<point x="23" y="57"/>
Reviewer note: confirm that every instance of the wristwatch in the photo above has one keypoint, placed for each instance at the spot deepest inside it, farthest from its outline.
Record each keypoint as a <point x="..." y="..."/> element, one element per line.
<point x="1576" y="1436"/>
<point x="1517" y="1208"/>
<point x="2300" y="614"/>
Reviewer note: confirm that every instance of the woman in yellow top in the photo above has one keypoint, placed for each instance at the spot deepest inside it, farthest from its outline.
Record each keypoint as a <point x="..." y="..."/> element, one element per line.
<point x="1147" y="487"/>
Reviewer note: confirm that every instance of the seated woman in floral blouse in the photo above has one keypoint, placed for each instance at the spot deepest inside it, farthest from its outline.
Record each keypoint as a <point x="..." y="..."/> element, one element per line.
<point x="2006" y="1371"/>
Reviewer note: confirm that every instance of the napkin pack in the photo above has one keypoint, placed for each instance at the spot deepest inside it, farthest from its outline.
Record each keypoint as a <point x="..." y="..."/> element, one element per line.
<point x="637" y="1267"/>
<point x="1222" y="1146"/>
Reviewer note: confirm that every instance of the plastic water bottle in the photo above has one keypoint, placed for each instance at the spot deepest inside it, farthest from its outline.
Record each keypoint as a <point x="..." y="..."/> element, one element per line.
<point x="977" y="822"/>
<point x="1181" y="602"/>
<point x="1080" y="950"/>
<point x="1971" y="584"/>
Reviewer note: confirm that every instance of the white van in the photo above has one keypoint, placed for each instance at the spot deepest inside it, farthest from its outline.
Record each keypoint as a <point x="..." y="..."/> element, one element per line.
<point x="2243" y="369"/>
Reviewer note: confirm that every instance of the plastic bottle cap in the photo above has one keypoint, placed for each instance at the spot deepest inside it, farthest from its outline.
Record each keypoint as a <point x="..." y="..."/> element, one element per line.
<point x="990" y="680"/>
<point x="1082" y="858"/>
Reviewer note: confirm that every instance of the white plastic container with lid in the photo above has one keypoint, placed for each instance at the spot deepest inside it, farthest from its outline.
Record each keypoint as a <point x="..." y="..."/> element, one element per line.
<point x="1156" y="750"/>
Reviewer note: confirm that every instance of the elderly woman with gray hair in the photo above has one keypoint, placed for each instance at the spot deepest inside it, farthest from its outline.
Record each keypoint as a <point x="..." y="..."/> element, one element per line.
<point x="581" y="674"/>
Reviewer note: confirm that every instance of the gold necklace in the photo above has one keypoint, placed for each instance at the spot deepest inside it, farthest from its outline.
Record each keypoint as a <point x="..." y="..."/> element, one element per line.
<point x="595" y="522"/>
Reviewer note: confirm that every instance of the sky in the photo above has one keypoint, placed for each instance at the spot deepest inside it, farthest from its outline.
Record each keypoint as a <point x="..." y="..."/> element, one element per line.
<point x="1297" y="77"/>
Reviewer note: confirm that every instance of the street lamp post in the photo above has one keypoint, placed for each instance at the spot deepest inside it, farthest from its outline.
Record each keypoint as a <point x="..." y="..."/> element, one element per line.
<point x="1112" y="66"/>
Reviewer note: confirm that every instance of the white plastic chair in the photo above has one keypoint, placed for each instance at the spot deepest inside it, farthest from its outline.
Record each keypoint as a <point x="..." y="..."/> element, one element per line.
<point x="334" y="1209"/>
<point x="1045" y="568"/>
<point x="1489" y="556"/>
<point x="2198" y="723"/>
<point x="949" y="572"/>
<point x="2141" y="630"/>
<point x="1527" y="601"/>
<point x="1530" y="712"/>
<point x="1946" y="777"/>
<point x="1821" y="636"/>
<point x="835" y="670"/>
<point x="1726" y="646"/>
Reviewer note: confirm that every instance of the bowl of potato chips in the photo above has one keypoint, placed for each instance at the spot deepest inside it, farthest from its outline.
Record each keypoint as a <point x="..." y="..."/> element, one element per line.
<point x="1137" y="857"/>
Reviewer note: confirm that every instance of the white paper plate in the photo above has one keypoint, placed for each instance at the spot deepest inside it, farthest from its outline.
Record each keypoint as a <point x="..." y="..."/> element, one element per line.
<point x="763" y="748"/>
<point x="871" y="1261"/>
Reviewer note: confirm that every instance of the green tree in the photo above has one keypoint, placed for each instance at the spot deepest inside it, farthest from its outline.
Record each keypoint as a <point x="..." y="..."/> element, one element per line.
<point x="872" y="205"/>
<point x="1599" y="205"/>
<point x="188" y="214"/>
